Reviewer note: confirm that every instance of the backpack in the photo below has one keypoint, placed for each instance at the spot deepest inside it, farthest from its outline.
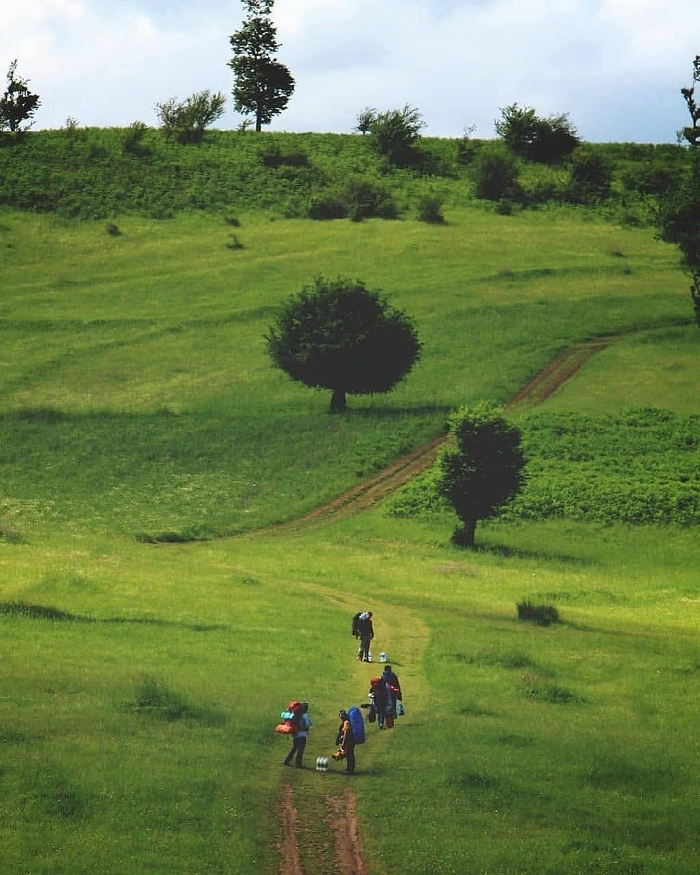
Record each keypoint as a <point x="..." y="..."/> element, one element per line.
<point x="355" y="624"/>
<point x="290" y="719"/>
<point x="357" y="722"/>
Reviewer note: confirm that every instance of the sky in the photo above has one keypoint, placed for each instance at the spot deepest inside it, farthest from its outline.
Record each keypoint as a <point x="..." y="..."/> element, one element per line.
<point x="614" y="66"/>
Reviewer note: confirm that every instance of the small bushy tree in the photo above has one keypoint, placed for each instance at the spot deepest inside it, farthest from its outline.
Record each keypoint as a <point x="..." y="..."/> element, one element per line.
<point x="546" y="140"/>
<point x="339" y="335"/>
<point x="394" y="133"/>
<point x="680" y="212"/>
<point x="591" y="177"/>
<point x="495" y="173"/>
<point x="186" y="122"/>
<point x="18" y="104"/>
<point x="481" y="466"/>
<point x="262" y="85"/>
<point x="691" y="133"/>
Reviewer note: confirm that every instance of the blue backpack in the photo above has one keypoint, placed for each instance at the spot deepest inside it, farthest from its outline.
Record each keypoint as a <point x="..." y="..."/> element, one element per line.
<point x="357" y="721"/>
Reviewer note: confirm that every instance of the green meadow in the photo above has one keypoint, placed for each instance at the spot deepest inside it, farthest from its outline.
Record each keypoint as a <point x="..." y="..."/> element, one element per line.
<point x="154" y="622"/>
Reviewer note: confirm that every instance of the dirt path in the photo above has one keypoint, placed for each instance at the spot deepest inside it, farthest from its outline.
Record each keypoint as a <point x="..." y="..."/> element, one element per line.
<point x="341" y="816"/>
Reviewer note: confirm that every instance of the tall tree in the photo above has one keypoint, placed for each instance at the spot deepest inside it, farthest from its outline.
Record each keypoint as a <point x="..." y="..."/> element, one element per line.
<point x="18" y="104"/>
<point x="262" y="86"/>
<point x="481" y="466"/>
<point x="339" y="335"/>
<point x="680" y="213"/>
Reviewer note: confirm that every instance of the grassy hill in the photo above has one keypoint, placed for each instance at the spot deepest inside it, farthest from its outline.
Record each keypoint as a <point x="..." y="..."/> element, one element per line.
<point x="152" y="628"/>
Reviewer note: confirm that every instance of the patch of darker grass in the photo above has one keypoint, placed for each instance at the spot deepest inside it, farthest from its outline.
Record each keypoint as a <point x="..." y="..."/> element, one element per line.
<point x="155" y="698"/>
<point x="36" y="612"/>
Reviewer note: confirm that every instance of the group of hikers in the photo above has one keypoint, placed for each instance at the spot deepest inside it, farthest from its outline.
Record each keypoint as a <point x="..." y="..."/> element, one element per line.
<point x="384" y="706"/>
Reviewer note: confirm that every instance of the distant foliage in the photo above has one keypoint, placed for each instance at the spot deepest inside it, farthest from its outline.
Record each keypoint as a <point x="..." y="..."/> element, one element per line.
<point x="541" y="615"/>
<point x="186" y="122"/>
<point x="691" y="133"/>
<point x="591" y="177"/>
<point x="639" y="467"/>
<point x="680" y="213"/>
<point x="18" y="104"/>
<point x="395" y="133"/>
<point x="546" y="140"/>
<point x="356" y="197"/>
<point x="430" y="209"/>
<point x="495" y="173"/>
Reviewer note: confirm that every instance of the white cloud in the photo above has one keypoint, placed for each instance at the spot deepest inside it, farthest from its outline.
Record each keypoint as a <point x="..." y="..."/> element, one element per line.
<point x="616" y="66"/>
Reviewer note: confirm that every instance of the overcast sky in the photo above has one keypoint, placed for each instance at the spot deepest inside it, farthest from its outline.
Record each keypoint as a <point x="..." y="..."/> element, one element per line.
<point x="615" y="66"/>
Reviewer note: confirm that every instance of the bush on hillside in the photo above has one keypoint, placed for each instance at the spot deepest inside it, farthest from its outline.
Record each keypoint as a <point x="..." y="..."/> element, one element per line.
<point x="186" y="122"/>
<point x="357" y="198"/>
<point x="591" y="177"/>
<point x="545" y="140"/>
<point x="495" y="173"/>
<point x="394" y="134"/>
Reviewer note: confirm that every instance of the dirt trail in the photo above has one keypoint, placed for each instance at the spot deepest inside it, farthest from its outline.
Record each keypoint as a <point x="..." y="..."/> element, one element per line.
<point x="342" y="818"/>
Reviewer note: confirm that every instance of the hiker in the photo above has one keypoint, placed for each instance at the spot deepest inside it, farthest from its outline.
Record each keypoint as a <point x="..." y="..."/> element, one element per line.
<point x="302" y="724"/>
<point x="346" y="743"/>
<point x="394" y="696"/>
<point x="377" y="702"/>
<point x="365" y="632"/>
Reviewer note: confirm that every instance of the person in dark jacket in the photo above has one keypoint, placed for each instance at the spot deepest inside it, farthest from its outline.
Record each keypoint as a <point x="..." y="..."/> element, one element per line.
<point x="346" y="742"/>
<point x="365" y="631"/>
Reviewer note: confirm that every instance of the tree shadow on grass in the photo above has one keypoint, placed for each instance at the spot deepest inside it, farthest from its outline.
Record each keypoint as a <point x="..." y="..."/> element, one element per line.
<point x="46" y="612"/>
<point x="538" y="555"/>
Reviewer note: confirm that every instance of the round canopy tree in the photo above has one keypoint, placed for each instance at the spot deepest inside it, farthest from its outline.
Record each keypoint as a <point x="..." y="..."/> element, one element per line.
<point x="481" y="467"/>
<point x="339" y="335"/>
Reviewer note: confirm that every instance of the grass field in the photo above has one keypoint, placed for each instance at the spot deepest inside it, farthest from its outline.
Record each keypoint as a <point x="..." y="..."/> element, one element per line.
<point x="150" y="635"/>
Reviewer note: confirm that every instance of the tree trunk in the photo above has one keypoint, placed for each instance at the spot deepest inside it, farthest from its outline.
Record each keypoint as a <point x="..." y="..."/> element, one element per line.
<point x="464" y="537"/>
<point x="339" y="401"/>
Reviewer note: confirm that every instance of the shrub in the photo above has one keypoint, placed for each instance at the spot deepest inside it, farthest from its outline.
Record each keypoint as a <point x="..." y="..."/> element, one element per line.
<point x="132" y="140"/>
<point x="541" y="615"/>
<point x="495" y="173"/>
<point x="186" y="122"/>
<point x="394" y="134"/>
<point x="547" y="140"/>
<point x="430" y="209"/>
<point x="591" y="177"/>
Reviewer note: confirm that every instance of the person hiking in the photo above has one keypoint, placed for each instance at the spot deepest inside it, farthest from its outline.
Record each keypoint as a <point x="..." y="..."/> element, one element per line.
<point x="346" y="743"/>
<point x="365" y="632"/>
<point x="302" y="724"/>
<point x="378" y="701"/>
<point x="394" y="696"/>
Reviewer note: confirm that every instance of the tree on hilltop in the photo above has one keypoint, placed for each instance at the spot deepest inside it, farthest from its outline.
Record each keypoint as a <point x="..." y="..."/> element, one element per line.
<point x="680" y="212"/>
<point x="18" y="104"/>
<point x="186" y="122"/>
<point x="480" y="467"/>
<point x="262" y="85"/>
<point x="339" y="335"/>
<point x="546" y="140"/>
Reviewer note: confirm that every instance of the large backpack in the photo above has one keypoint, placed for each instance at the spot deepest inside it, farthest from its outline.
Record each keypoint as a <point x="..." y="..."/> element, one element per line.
<point x="290" y="720"/>
<point x="355" y="624"/>
<point x="357" y="722"/>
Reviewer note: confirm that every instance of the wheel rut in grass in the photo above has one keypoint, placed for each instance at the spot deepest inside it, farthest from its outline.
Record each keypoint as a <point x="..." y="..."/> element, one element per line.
<point x="341" y="817"/>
